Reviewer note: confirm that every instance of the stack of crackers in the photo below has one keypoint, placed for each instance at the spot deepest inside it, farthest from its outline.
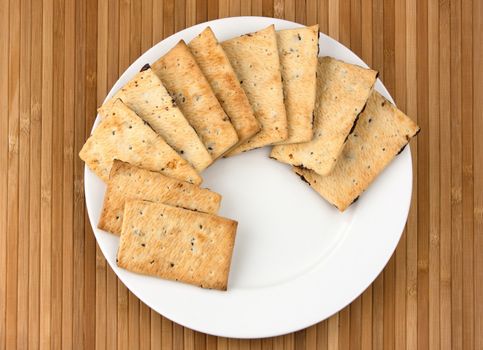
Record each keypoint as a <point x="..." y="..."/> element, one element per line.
<point x="206" y="99"/>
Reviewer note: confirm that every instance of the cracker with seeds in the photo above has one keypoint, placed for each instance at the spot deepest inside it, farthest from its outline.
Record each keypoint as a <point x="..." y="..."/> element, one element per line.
<point x="342" y="92"/>
<point x="147" y="96"/>
<point x="184" y="80"/>
<point x="176" y="244"/>
<point x="381" y="133"/>
<point x="123" y="135"/>
<point x="127" y="181"/>
<point x="298" y="50"/>
<point x="215" y="65"/>
<point x="254" y="58"/>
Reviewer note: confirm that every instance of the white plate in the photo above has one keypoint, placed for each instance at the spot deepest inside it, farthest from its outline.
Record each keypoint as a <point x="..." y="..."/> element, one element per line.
<point x="297" y="260"/>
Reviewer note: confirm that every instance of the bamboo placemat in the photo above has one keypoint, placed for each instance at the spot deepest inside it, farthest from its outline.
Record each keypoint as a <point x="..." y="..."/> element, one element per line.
<point x="58" y="59"/>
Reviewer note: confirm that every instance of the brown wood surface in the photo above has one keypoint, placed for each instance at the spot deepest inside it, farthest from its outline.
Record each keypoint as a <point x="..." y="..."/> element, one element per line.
<point x="59" y="58"/>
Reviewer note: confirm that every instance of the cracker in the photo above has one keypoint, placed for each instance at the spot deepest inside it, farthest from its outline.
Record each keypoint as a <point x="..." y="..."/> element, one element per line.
<point x="123" y="135"/>
<point x="184" y="80"/>
<point x="147" y="96"/>
<point x="342" y="92"/>
<point x="381" y="133"/>
<point x="176" y="244"/>
<point x="298" y="50"/>
<point x="254" y="58"/>
<point x="127" y="181"/>
<point x="215" y="65"/>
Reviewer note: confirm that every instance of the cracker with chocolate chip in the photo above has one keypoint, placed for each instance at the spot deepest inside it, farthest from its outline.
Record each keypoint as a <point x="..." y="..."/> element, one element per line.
<point x="215" y="65"/>
<point x="342" y="92"/>
<point x="184" y="80"/>
<point x="127" y="181"/>
<point x="298" y="50"/>
<point x="176" y="244"/>
<point x="123" y="135"/>
<point x="381" y="133"/>
<point x="254" y="58"/>
<point x="146" y="95"/>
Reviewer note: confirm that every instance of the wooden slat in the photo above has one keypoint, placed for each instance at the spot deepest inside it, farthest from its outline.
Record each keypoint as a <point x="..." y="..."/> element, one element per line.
<point x="322" y="335"/>
<point x="289" y="10"/>
<point x="333" y="332"/>
<point x="434" y="176"/>
<point x="366" y="319"/>
<point x="79" y="208"/>
<point x="24" y="175"/>
<point x="35" y="169"/>
<point x="298" y="340"/>
<point x="4" y="52"/>
<point x="456" y="179"/>
<point x="355" y="324"/>
<point x="46" y="176"/>
<point x="13" y="176"/>
<point x="423" y="174"/>
<point x="478" y="169"/>
<point x="378" y="313"/>
<point x="445" y="176"/>
<point x="356" y="26"/>
<point x="57" y="169"/>
<point x="345" y="22"/>
<point x="366" y="31"/>
<point x="68" y="177"/>
<point x="59" y="59"/>
<point x="467" y="167"/>
<point x="223" y="8"/>
<point x="323" y="15"/>
<point x="212" y="11"/>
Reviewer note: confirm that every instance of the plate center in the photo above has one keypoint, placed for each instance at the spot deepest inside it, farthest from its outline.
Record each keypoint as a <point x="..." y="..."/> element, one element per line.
<point x="284" y="227"/>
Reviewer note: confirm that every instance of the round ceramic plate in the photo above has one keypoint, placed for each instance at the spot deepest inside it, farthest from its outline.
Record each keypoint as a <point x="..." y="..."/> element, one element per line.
<point x="297" y="260"/>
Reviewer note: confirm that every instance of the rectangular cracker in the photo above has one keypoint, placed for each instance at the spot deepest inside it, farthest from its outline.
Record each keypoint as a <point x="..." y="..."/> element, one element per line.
<point x="147" y="96"/>
<point x="127" y="181"/>
<point x="184" y="80"/>
<point x="380" y="134"/>
<point x="342" y="92"/>
<point x="298" y="50"/>
<point x="254" y="58"/>
<point x="123" y="135"/>
<point x="176" y="244"/>
<point x="215" y="65"/>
